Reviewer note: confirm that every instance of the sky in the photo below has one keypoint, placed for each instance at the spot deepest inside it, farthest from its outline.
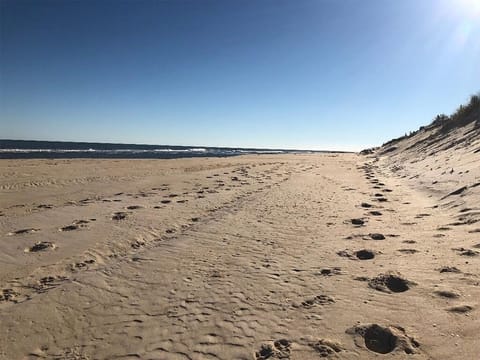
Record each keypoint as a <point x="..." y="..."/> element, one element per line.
<point x="298" y="74"/>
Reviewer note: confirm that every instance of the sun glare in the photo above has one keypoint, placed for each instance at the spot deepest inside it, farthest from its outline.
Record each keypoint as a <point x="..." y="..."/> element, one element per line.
<point x="466" y="14"/>
<point x="469" y="8"/>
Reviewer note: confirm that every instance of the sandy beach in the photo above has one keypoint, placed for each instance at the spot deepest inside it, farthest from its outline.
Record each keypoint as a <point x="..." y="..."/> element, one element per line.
<point x="251" y="257"/>
<point x="239" y="180"/>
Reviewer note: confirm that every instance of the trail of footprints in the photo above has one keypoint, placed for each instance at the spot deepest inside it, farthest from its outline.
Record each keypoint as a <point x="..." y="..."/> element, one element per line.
<point x="21" y="291"/>
<point x="386" y="339"/>
<point x="369" y="175"/>
<point x="374" y="337"/>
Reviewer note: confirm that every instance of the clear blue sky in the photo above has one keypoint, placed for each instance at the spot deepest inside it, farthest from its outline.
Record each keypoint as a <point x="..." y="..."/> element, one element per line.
<point x="319" y="74"/>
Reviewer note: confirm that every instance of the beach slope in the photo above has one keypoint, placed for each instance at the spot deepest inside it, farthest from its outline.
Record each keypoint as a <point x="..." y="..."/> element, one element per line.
<point x="340" y="256"/>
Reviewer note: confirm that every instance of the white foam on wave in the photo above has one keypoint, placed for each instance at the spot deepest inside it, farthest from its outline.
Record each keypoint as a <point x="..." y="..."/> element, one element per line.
<point x="100" y="150"/>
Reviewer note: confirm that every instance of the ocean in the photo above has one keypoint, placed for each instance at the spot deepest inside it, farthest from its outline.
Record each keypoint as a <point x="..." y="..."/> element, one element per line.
<point x="25" y="149"/>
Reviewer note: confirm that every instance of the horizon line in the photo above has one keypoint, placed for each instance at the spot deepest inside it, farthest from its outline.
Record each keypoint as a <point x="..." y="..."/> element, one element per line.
<point x="183" y="146"/>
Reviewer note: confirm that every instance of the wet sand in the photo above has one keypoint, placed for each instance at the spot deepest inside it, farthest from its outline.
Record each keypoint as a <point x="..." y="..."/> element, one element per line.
<point x="338" y="256"/>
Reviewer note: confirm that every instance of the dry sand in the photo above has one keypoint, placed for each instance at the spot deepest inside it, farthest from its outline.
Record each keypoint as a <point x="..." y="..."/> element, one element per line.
<point x="256" y="257"/>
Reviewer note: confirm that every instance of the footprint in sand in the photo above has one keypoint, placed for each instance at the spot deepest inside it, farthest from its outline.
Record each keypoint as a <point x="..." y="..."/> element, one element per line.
<point x="8" y="295"/>
<point x="390" y="283"/>
<point x="330" y="271"/>
<point x="44" y="206"/>
<point x="443" y="228"/>
<point x="422" y="215"/>
<point x="407" y="251"/>
<point x="69" y="228"/>
<point x="137" y="244"/>
<point x="326" y="348"/>
<point x="120" y="215"/>
<point x="449" y="269"/>
<point x="23" y="231"/>
<point x="279" y="349"/>
<point x="364" y="254"/>
<point x="317" y="300"/>
<point x="77" y="224"/>
<point x="377" y="236"/>
<point x="134" y="207"/>
<point x="469" y="252"/>
<point x="461" y="309"/>
<point x="41" y="246"/>
<point x="357" y="255"/>
<point x="81" y="265"/>
<point x="357" y="222"/>
<point x="447" y="294"/>
<point x="383" y="339"/>
<point x="48" y="282"/>
<point x="466" y="252"/>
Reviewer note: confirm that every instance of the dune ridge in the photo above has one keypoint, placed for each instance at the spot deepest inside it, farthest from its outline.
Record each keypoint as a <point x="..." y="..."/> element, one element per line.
<point x="442" y="159"/>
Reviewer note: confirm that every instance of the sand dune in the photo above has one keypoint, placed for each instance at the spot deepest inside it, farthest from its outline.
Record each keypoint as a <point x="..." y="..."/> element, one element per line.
<point x="338" y="256"/>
